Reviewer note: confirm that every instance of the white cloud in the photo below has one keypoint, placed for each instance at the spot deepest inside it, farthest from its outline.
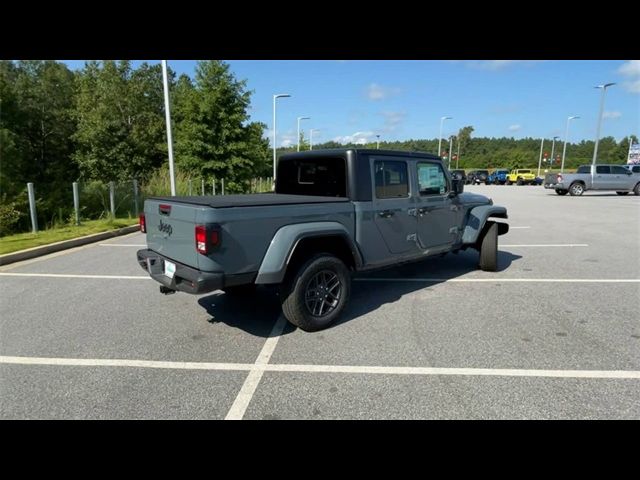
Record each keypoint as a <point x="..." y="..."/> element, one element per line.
<point x="515" y="127"/>
<point x="611" y="115"/>
<point x="630" y="68"/>
<point x="632" y="86"/>
<point x="359" y="138"/>
<point x="392" y="120"/>
<point x="378" y="92"/>
<point x="495" y="65"/>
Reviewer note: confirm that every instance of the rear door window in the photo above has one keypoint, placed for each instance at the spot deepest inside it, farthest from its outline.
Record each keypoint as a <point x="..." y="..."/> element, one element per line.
<point x="603" y="169"/>
<point x="584" y="169"/>
<point x="392" y="179"/>
<point x="619" y="170"/>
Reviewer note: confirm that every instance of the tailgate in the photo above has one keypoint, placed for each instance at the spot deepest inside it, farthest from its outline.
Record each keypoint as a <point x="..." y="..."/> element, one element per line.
<point x="171" y="230"/>
<point x="550" y="179"/>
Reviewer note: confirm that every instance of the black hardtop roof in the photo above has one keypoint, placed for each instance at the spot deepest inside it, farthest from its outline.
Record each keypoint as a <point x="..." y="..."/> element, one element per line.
<point x="357" y="151"/>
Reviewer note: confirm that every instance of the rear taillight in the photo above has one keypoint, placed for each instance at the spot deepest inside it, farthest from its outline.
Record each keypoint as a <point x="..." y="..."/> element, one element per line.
<point x="206" y="238"/>
<point x="143" y="223"/>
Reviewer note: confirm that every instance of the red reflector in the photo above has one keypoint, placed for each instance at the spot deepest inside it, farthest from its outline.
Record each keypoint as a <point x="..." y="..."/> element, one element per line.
<point x="215" y="237"/>
<point x="143" y="223"/>
<point x="201" y="239"/>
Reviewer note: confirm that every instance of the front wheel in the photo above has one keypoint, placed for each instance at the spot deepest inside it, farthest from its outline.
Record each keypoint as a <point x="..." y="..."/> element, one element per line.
<point x="636" y="189"/>
<point x="576" y="189"/>
<point x="507" y="182"/>
<point x="519" y="182"/>
<point x="489" y="249"/>
<point x="316" y="295"/>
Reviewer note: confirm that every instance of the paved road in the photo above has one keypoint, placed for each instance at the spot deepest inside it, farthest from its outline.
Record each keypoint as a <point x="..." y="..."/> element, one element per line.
<point x="554" y="334"/>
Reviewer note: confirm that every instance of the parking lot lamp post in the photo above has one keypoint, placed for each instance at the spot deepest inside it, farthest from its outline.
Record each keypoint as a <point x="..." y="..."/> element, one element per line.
<point x="311" y="137"/>
<point x="566" y="137"/>
<point x="458" y="153"/>
<point x="300" y="118"/>
<point x="167" y="113"/>
<point x="442" y="119"/>
<point x="595" y="148"/>
<point x="450" y="148"/>
<point x="553" y="146"/>
<point x="540" y="159"/>
<point x="275" y="97"/>
<point x="378" y="142"/>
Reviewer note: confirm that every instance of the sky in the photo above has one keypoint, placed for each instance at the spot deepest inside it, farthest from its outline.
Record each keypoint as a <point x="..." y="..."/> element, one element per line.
<point x="355" y="100"/>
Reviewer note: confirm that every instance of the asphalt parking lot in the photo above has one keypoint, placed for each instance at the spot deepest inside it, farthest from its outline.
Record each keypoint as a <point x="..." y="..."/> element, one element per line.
<point x="554" y="334"/>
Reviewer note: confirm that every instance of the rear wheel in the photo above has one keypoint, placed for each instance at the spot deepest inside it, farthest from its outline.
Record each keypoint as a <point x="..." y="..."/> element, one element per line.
<point x="576" y="189"/>
<point x="636" y="189"/>
<point x="507" y="182"/>
<point x="562" y="192"/>
<point x="622" y="193"/>
<point x="519" y="182"/>
<point x="489" y="249"/>
<point x="315" y="296"/>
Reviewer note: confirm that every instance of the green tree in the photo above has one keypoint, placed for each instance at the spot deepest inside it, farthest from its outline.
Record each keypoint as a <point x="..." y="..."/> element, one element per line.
<point x="120" y="117"/>
<point x="213" y="135"/>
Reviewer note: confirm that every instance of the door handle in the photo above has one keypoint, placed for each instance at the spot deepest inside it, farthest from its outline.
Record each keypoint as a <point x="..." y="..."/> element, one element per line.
<point x="412" y="212"/>
<point x="386" y="213"/>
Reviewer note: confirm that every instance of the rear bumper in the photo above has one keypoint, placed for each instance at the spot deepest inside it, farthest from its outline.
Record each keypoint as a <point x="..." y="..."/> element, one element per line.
<point x="555" y="186"/>
<point x="185" y="279"/>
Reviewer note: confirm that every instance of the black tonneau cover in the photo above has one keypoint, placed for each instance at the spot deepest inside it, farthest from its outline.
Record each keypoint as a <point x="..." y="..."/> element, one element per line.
<point x="253" y="200"/>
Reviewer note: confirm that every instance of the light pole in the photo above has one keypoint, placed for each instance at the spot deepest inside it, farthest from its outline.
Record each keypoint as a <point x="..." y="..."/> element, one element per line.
<point x="442" y="119"/>
<point x="167" y="113"/>
<point x="566" y="137"/>
<point x="300" y="118"/>
<point x="540" y="159"/>
<point x="450" y="148"/>
<point x="458" y="153"/>
<point x="553" y="146"/>
<point x="279" y="95"/>
<point x="595" y="148"/>
<point x="378" y="142"/>
<point x="311" y="130"/>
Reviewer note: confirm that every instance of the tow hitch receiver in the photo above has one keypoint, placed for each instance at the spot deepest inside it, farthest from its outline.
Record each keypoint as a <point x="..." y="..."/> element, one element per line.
<point x="166" y="290"/>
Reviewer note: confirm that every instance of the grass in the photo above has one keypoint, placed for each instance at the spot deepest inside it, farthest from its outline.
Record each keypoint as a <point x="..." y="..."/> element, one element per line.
<point x="22" y="241"/>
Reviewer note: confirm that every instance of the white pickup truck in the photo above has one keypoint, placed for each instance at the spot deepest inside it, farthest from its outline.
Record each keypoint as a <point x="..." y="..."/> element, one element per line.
<point x="594" y="177"/>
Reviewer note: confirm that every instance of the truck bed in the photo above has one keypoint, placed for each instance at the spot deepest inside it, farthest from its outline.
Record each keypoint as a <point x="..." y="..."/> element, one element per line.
<point x="253" y="200"/>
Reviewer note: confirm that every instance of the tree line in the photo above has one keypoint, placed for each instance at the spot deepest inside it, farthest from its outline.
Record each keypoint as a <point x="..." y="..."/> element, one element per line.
<point x="490" y="153"/>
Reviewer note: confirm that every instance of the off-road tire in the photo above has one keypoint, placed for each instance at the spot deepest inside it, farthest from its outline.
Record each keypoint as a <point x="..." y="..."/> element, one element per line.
<point x="489" y="249"/>
<point x="296" y="292"/>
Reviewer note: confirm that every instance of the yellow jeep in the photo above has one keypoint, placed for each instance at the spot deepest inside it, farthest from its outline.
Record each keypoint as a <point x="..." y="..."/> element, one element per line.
<point x="521" y="177"/>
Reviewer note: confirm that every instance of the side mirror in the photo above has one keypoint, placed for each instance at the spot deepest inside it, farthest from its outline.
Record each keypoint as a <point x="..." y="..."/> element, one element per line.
<point x="457" y="185"/>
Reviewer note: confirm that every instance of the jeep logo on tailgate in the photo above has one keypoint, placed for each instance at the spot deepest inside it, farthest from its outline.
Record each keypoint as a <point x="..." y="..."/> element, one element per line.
<point x="166" y="228"/>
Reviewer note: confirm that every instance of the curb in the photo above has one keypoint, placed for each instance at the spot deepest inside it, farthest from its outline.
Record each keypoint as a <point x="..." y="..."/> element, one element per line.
<point x="63" y="245"/>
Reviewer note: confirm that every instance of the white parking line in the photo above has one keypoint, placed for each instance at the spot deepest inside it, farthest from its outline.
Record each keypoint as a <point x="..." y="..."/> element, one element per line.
<point x="262" y="365"/>
<point x="240" y="404"/>
<point x="121" y="245"/>
<point x="500" y="280"/>
<point x="66" y="275"/>
<point x="549" y="245"/>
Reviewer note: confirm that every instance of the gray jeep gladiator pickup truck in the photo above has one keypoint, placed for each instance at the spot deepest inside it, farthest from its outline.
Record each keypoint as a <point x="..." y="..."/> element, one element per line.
<point x="333" y="212"/>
